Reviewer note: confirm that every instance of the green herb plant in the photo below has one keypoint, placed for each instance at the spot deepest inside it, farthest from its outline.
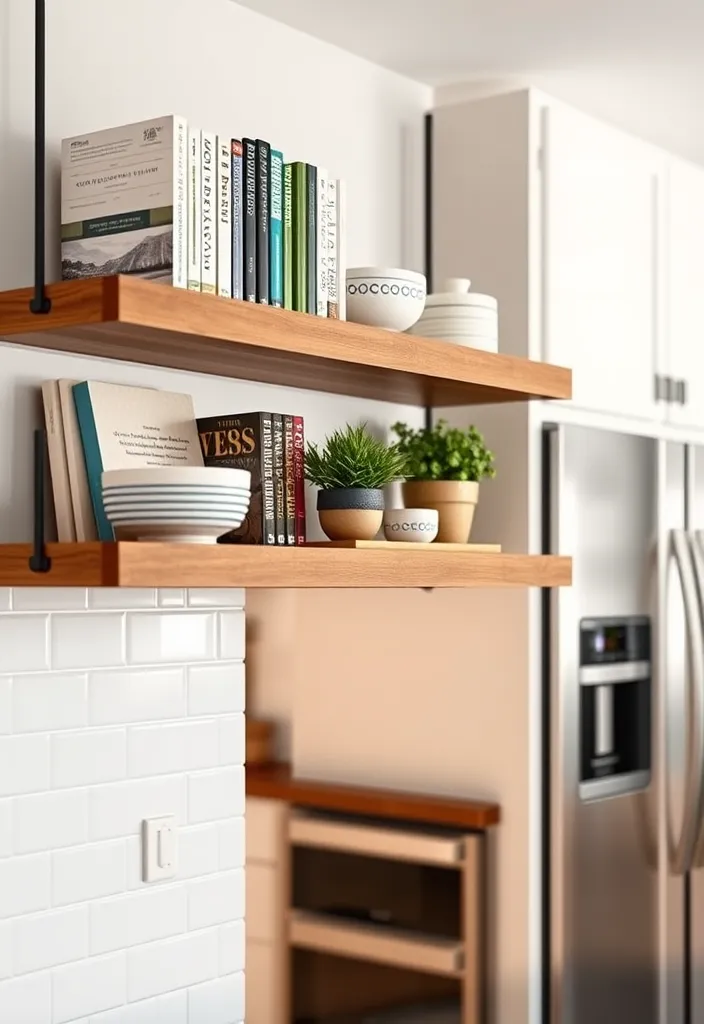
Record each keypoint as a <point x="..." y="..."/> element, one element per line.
<point x="444" y="453"/>
<point x="353" y="458"/>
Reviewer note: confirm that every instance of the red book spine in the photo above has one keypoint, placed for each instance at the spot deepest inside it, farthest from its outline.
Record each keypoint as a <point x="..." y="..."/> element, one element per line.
<point x="299" y="478"/>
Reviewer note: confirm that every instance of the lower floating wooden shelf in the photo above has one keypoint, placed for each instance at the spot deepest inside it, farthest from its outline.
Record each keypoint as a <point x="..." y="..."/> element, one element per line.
<point x="131" y="564"/>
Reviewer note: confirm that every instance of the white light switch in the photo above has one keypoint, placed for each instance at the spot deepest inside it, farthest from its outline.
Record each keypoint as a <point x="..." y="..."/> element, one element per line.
<point x="159" y="848"/>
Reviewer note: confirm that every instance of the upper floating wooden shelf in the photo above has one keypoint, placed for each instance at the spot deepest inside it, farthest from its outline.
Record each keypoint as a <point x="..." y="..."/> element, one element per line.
<point x="219" y="565"/>
<point x="139" y="321"/>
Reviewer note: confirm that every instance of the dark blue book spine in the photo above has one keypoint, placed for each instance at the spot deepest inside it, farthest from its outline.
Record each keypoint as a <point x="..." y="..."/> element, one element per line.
<point x="262" y="175"/>
<point x="249" y="219"/>
<point x="276" y="238"/>
<point x="92" y="456"/>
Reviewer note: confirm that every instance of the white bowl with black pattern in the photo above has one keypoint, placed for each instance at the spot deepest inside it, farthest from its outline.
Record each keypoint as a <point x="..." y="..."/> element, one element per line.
<point x="385" y="297"/>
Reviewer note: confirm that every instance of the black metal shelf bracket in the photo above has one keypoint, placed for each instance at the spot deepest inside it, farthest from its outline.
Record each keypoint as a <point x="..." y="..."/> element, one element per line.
<point x="40" y="303"/>
<point x="39" y="560"/>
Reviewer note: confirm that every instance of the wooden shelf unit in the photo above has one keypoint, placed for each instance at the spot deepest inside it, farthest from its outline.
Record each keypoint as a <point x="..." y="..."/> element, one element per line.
<point x="132" y="320"/>
<point x="132" y="564"/>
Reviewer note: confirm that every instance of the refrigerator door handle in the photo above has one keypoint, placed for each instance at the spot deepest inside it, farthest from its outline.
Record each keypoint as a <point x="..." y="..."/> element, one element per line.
<point x="683" y="851"/>
<point x="697" y="542"/>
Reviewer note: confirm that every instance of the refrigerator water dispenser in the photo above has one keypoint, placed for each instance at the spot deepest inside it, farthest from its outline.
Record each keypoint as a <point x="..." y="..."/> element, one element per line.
<point x="615" y="692"/>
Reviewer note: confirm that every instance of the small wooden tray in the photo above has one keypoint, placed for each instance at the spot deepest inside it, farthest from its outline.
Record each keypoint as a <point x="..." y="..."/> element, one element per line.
<point x="358" y="545"/>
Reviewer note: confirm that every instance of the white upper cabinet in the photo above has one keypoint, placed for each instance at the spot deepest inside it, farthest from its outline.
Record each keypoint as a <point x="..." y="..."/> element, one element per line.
<point x="601" y="199"/>
<point x="685" y="293"/>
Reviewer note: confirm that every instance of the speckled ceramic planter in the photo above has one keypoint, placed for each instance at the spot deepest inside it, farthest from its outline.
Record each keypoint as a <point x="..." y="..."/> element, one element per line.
<point x="351" y="513"/>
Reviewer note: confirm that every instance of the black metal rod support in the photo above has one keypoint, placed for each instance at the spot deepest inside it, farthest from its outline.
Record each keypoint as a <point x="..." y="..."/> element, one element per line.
<point x="39" y="560"/>
<point x="40" y="302"/>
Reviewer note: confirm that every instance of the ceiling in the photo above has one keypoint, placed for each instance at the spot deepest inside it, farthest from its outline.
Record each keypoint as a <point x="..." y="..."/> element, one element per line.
<point x="638" y="62"/>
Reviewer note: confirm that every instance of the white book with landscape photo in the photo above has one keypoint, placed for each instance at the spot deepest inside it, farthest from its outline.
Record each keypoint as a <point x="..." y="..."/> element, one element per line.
<point x="124" y="202"/>
<point x="126" y="427"/>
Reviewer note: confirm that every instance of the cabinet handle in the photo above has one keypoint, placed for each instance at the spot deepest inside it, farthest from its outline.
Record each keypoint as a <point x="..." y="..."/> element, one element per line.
<point x="660" y="388"/>
<point x="682" y="392"/>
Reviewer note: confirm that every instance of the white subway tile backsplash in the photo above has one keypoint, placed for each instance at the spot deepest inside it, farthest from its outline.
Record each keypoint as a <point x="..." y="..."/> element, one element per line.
<point x="24" y="764"/>
<point x="232" y="947"/>
<point x="26" y="1000"/>
<point x="216" y="794"/>
<point x="5" y="828"/>
<point x="231" y="634"/>
<point x="216" y="900"/>
<point x="5" y="704"/>
<point x="49" y="702"/>
<point x="24" y="885"/>
<point x="118" y="809"/>
<point x="232" y="739"/>
<point x="122" y="598"/>
<point x="48" y="599"/>
<point x="7" y="946"/>
<point x="232" y="848"/>
<point x="137" y="695"/>
<point x="217" y="1002"/>
<point x="213" y="597"/>
<point x="156" y="913"/>
<point x="46" y="940"/>
<point x="89" y="986"/>
<point x="138" y="716"/>
<point x="23" y="643"/>
<point x="50" y="821"/>
<point x="87" y="873"/>
<point x="161" y="749"/>
<point x="169" y="1009"/>
<point x="216" y="689"/>
<point x="88" y="757"/>
<point x="160" y="966"/>
<point x="87" y="640"/>
<point x="169" y="636"/>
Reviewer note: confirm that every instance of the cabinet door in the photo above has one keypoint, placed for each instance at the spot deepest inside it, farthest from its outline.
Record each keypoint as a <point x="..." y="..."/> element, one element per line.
<point x="600" y="262"/>
<point x="685" y="335"/>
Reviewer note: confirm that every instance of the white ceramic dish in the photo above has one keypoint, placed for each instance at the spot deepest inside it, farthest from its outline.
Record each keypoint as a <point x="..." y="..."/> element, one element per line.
<point x="487" y="329"/>
<point x="411" y="525"/>
<point x="182" y="499"/>
<point x="172" y="533"/>
<point x="455" y="292"/>
<point x="385" y="297"/>
<point x="185" y="491"/>
<point x="188" y="476"/>
<point x="175" y="510"/>
<point x="481" y="314"/>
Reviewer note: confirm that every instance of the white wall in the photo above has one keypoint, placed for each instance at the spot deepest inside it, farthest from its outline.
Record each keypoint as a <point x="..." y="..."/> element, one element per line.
<point x="227" y="69"/>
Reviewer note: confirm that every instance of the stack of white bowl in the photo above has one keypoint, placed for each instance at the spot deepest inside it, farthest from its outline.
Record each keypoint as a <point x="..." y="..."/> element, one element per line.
<point x="459" y="315"/>
<point x="194" y="505"/>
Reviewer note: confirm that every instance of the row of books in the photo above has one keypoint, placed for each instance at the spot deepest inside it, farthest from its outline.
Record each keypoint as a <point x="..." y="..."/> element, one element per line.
<point x="163" y="200"/>
<point x="93" y="426"/>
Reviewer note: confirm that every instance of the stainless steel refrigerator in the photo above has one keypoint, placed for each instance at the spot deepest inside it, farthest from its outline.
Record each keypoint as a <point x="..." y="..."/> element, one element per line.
<point x="623" y="731"/>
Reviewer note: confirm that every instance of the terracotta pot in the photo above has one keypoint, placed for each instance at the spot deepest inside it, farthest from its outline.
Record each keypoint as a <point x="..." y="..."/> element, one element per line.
<point x="351" y="513"/>
<point x="455" y="501"/>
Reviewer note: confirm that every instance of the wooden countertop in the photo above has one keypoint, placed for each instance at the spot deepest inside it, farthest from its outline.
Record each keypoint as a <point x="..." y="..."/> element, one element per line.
<point x="275" y="782"/>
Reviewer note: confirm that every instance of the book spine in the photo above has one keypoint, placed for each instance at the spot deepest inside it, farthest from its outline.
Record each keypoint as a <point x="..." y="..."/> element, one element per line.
<point x="333" y="306"/>
<point x="237" y="223"/>
<point x="268" y="499"/>
<point x="58" y="462"/>
<point x="94" y="462"/>
<point x="288" y="236"/>
<point x="312" y="237"/>
<point x="224" y="183"/>
<point x="276" y="250"/>
<point x="194" y="201"/>
<point x="321" y="269"/>
<point x="208" y="259"/>
<point x="262" y="173"/>
<point x="289" y="481"/>
<point x="300" y="262"/>
<point x="180" y="212"/>
<point x="277" y="423"/>
<point x="341" y="249"/>
<point x="81" y="501"/>
<point x="249" y="218"/>
<point x="299" y="478"/>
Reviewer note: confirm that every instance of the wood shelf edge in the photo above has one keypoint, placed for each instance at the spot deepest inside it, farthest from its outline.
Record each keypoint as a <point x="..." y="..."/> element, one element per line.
<point x="277" y="782"/>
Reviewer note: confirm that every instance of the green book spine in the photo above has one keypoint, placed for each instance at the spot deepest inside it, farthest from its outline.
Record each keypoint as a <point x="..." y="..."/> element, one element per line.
<point x="288" y="237"/>
<point x="300" y="237"/>
<point x="93" y="458"/>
